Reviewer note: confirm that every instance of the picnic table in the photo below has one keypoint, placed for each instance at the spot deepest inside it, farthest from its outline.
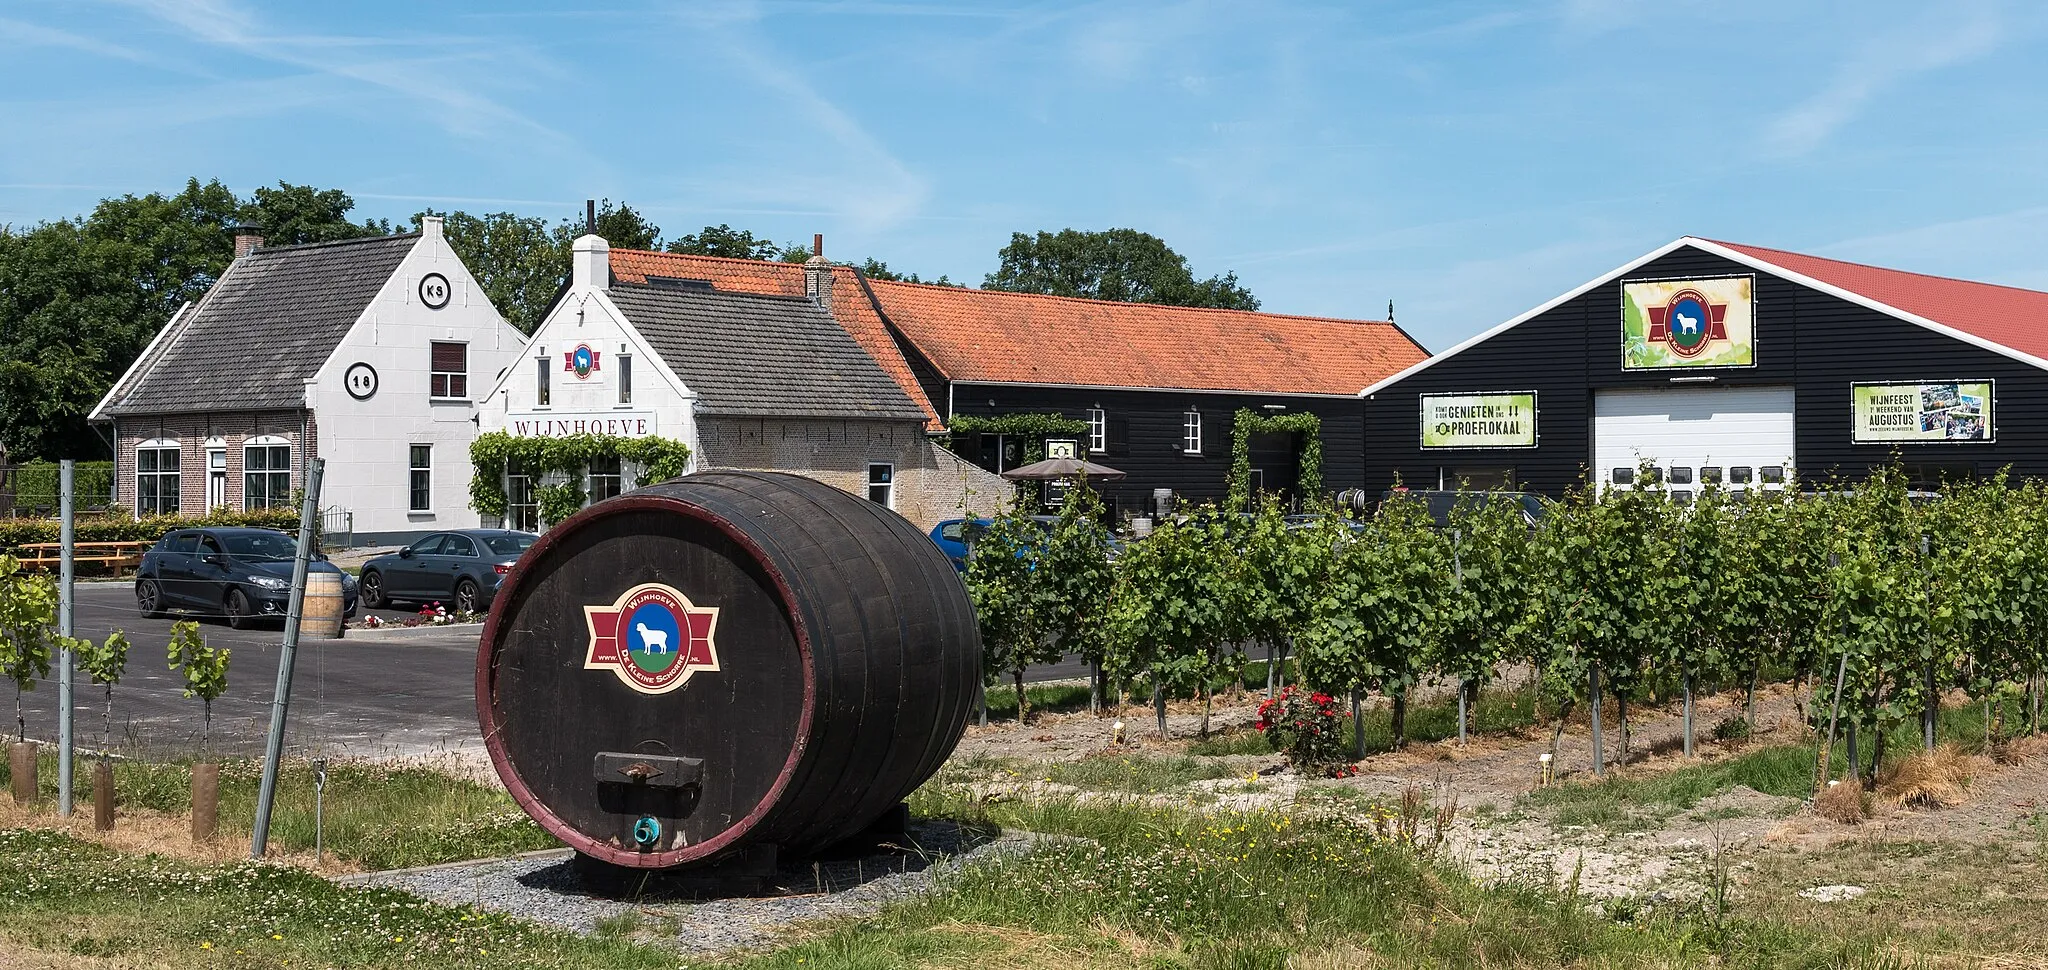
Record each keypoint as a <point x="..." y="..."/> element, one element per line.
<point x="116" y="556"/>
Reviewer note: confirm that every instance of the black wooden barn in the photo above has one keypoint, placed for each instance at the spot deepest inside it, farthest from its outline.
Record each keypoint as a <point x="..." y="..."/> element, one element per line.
<point x="1717" y="361"/>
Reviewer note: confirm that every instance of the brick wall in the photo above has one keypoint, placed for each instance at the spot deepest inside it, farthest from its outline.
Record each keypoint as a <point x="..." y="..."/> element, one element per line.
<point x="931" y="484"/>
<point x="191" y="432"/>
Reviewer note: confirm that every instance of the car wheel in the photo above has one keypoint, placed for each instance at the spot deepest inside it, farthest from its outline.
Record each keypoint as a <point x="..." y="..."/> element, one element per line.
<point x="236" y="606"/>
<point x="466" y="597"/>
<point x="149" y="599"/>
<point x="371" y="589"/>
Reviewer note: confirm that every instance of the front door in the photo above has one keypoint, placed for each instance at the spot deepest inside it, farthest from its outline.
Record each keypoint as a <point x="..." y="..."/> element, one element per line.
<point x="216" y="478"/>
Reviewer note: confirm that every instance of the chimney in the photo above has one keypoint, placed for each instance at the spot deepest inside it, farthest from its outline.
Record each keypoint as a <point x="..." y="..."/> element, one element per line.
<point x="590" y="216"/>
<point x="818" y="274"/>
<point x="248" y="237"/>
<point x="430" y="227"/>
<point x="590" y="263"/>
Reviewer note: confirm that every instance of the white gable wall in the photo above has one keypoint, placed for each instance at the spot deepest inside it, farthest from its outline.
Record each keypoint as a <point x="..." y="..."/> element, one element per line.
<point x="367" y="443"/>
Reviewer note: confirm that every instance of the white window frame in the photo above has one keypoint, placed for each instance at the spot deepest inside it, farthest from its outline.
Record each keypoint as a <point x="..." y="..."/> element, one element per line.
<point x="268" y="442"/>
<point x="514" y="519"/>
<point x="175" y="475"/>
<point x="1098" y="431"/>
<point x="543" y="382"/>
<point x="1191" y="433"/>
<point x="413" y="470"/>
<point x="622" y="363"/>
<point x="616" y="472"/>
<point x="216" y="474"/>
<point x="889" y="487"/>
<point x="432" y="373"/>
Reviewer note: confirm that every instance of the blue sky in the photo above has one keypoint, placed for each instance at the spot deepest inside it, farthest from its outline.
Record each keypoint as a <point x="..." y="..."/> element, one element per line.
<point x="1465" y="160"/>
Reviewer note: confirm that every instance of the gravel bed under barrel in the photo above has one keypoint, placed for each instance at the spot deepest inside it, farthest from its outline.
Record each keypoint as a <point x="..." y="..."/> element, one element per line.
<point x="545" y="889"/>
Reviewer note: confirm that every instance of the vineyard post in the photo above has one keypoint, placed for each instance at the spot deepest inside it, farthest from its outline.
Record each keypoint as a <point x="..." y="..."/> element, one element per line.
<point x="67" y="570"/>
<point x="1827" y="750"/>
<point x="1457" y="584"/>
<point x="1688" y="712"/>
<point x="1932" y="710"/>
<point x="1593" y="695"/>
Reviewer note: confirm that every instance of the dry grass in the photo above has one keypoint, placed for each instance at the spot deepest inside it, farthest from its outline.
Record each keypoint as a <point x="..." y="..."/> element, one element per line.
<point x="1841" y="803"/>
<point x="2021" y="751"/>
<point x="143" y="831"/>
<point x="1930" y="779"/>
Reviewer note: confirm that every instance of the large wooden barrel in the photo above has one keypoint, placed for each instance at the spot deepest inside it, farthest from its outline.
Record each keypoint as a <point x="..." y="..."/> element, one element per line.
<point x="322" y="616"/>
<point x="722" y="662"/>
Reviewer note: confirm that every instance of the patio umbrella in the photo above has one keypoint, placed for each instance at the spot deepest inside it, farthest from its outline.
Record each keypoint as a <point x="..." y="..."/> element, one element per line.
<point x="1053" y="469"/>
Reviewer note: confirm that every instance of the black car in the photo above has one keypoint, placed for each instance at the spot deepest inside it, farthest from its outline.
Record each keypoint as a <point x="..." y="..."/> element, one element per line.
<point x="240" y="575"/>
<point x="461" y="569"/>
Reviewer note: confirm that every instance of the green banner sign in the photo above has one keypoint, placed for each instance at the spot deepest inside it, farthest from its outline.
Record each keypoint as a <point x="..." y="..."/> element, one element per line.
<point x="1503" y="419"/>
<point x="1952" y="411"/>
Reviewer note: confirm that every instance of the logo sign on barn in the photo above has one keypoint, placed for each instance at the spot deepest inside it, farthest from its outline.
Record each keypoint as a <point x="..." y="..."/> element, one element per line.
<point x="1688" y="323"/>
<point x="1501" y="419"/>
<point x="581" y="361"/>
<point x="652" y="637"/>
<point x="1951" y="411"/>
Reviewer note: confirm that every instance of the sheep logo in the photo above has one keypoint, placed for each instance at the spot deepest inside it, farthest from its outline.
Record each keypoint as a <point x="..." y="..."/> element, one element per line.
<point x="652" y="637"/>
<point x="1688" y="323"/>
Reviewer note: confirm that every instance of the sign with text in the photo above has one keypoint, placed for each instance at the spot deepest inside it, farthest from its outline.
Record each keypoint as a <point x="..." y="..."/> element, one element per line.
<point x="1500" y="419"/>
<point x="1688" y="323"/>
<point x="1952" y="411"/>
<point x="560" y="424"/>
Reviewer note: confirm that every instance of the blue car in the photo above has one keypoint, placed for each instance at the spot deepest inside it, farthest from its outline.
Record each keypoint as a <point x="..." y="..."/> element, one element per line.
<point x="955" y="537"/>
<point x="240" y="575"/>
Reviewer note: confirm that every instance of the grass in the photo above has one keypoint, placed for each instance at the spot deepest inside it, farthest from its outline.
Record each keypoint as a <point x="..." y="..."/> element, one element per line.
<point x="1625" y="802"/>
<point x="62" y="895"/>
<point x="377" y="815"/>
<point x="1134" y="774"/>
<point x="1043" y="698"/>
<point x="1498" y="710"/>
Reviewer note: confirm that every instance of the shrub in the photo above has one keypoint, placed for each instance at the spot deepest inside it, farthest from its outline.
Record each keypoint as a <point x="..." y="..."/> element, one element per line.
<point x="122" y="527"/>
<point x="1310" y="728"/>
<point x="1734" y="727"/>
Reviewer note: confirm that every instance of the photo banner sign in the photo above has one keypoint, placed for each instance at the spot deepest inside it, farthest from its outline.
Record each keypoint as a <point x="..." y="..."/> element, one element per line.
<point x="1501" y="419"/>
<point x="1688" y="323"/>
<point x="1951" y="411"/>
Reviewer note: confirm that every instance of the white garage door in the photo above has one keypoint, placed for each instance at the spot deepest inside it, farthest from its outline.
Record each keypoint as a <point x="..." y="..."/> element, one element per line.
<point x="1740" y="437"/>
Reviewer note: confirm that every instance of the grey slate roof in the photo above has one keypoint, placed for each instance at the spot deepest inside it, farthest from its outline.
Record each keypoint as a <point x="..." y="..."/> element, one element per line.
<point x="759" y="355"/>
<point x="263" y="329"/>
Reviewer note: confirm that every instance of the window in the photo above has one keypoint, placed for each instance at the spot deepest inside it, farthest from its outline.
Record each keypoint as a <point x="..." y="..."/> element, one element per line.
<point x="450" y="379"/>
<point x="216" y="477"/>
<point x="455" y="545"/>
<point x="540" y="392"/>
<point x="429" y="546"/>
<point x="266" y="473"/>
<point x="422" y="484"/>
<point x="1772" y="474"/>
<point x="522" y="506"/>
<point x="1098" y="431"/>
<point x="1681" y="475"/>
<point x="951" y="531"/>
<point x="604" y="478"/>
<point x="882" y="485"/>
<point x="1191" y="433"/>
<point x="503" y="545"/>
<point x="1624" y="476"/>
<point x="624" y="363"/>
<point x="156" y="477"/>
<point x="1738" y="475"/>
<point x="182" y="542"/>
<point x="1710" y="474"/>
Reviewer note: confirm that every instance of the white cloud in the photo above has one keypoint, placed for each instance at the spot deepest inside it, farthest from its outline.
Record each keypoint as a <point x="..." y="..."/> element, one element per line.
<point x="1963" y="33"/>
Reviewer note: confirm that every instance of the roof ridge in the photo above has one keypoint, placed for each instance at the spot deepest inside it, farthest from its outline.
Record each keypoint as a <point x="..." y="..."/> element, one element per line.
<point x="722" y="259"/>
<point x="695" y="292"/>
<point x="296" y="247"/>
<point x="1752" y="248"/>
<point x="1132" y="303"/>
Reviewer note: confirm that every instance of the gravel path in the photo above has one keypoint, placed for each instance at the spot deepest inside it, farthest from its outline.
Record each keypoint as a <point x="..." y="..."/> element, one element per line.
<point x="543" y="888"/>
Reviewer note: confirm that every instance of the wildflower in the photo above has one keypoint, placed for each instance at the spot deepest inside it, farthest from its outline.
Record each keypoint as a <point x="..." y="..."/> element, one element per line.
<point x="208" y="945"/>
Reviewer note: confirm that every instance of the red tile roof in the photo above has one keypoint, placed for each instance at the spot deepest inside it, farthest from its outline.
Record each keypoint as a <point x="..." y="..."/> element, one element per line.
<point x="1021" y="338"/>
<point x="2004" y="315"/>
<point x="849" y="305"/>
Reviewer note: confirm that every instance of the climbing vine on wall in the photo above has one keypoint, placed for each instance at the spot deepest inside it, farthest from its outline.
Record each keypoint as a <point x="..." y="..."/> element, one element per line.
<point x="659" y="459"/>
<point x="1033" y="427"/>
<point x="1248" y="423"/>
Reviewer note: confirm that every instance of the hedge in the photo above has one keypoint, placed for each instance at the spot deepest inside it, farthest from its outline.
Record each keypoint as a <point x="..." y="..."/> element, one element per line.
<point x="123" y="528"/>
<point x="35" y="484"/>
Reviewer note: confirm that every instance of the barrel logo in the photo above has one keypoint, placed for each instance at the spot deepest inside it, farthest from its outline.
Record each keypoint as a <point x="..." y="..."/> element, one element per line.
<point x="652" y="637"/>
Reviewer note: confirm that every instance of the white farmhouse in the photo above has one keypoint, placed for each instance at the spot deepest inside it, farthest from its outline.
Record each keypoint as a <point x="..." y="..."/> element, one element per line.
<point x="367" y="353"/>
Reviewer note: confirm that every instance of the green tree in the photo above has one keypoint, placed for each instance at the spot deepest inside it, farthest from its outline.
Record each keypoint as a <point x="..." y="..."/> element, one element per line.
<point x="1281" y="571"/>
<point x="1487" y="613"/>
<point x="622" y="227"/>
<point x="1168" y="611"/>
<point x="517" y="261"/>
<point x="1010" y="601"/>
<point x="1124" y="265"/>
<point x="104" y="663"/>
<point x="203" y="668"/>
<point x="875" y="269"/>
<point x="292" y="214"/>
<point x="1075" y="576"/>
<point x="1378" y="621"/>
<point x="724" y="240"/>
<point x="28" y="617"/>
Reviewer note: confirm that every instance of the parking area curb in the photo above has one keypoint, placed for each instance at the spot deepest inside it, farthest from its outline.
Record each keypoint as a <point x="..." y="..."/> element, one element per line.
<point x="423" y="631"/>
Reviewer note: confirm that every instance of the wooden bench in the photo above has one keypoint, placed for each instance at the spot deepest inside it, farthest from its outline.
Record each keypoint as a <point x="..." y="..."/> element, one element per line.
<point x="116" y="556"/>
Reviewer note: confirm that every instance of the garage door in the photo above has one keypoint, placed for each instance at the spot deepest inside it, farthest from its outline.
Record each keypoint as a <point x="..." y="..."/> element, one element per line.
<point x="1740" y="437"/>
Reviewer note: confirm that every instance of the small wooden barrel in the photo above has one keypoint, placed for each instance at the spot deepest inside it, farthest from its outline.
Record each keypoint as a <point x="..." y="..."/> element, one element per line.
<point x="321" y="616"/>
<point x="724" y="663"/>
